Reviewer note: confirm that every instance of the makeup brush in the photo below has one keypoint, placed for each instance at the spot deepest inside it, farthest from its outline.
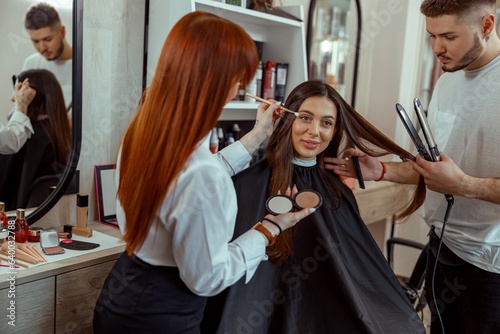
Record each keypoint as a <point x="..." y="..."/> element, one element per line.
<point x="270" y="103"/>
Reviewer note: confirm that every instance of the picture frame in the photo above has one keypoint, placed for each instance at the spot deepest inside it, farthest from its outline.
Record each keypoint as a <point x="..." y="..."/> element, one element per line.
<point x="106" y="192"/>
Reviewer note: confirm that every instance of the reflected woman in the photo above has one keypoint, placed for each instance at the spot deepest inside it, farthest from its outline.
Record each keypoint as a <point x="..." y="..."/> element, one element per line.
<point x="327" y="274"/>
<point x="46" y="152"/>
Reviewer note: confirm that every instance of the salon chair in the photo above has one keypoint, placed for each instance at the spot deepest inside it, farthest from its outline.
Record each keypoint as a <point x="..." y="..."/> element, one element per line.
<point x="413" y="286"/>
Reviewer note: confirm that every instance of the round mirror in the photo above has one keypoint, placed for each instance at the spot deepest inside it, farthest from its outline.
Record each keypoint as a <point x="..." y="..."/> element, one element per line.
<point x="18" y="46"/>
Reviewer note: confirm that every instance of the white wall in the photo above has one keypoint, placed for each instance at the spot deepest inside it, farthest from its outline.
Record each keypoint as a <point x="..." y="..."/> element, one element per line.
<point x="112" y="83"/>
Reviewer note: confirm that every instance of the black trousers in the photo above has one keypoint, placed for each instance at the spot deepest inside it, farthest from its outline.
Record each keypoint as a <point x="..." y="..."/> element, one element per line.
<point x="140" y="298"/>
<point x="467" y="298"/>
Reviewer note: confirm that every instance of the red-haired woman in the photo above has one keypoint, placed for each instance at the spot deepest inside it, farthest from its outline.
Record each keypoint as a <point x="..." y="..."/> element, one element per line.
<point x="177" y="204"/>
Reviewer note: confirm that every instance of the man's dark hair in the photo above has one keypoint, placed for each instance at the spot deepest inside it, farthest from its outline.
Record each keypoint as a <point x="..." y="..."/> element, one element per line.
<point x="435" y="8"/>
<point x="41" y="15"/>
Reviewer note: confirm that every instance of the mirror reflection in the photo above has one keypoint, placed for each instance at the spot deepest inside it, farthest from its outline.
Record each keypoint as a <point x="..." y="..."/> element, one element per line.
<point x="37" y="56"/>
<point x="332" y="44"/>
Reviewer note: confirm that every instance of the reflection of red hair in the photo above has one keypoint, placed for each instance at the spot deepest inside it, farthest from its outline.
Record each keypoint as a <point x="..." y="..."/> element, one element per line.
<point x="203" y="57"/>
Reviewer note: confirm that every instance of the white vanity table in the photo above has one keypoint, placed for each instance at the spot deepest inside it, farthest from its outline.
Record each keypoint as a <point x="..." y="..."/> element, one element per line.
<point x="59" y="297"/>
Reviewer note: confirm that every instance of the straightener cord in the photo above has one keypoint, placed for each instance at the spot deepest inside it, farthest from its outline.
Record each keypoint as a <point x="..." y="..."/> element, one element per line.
<point x="450" y="200"/>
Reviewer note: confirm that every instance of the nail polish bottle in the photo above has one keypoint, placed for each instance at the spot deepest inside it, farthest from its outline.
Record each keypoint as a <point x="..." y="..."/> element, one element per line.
<point x="21" y="227"/>
<point x="3" y="216"/>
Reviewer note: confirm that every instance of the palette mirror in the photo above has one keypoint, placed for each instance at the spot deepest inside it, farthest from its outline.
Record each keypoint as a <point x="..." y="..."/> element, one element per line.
<point x="17" y="46"/>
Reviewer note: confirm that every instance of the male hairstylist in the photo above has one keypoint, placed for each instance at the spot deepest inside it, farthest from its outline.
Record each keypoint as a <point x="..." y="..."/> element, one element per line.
<point x="54" y="53"/>
<point x="464" y="115"/>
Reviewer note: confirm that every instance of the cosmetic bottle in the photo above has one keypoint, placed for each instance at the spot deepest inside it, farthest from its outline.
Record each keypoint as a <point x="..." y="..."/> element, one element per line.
<point x="214" y="141"/>
<point x="3" y="216"/>
<point x="258" y="77"/>
<point x="21" y="227"/>
<point x="251" y="88"/>
<point x="269" y="81"/>
<point x="236" y="131"/>
<point x="220" y="136"/>
<point x="281" y="78"/>
<point x="4" y="233"/>
<point x="230" y="139"/>
<point x="82" y="203"/>
<point x="241" y="91"/>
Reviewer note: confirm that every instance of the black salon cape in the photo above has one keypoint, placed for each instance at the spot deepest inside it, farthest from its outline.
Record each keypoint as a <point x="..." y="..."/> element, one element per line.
<point x="338" y="280"/>
<point x="19" y="171"/>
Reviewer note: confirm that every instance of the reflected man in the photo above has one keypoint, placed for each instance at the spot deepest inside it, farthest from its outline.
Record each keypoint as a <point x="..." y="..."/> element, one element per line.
<point x="48" y="34"/>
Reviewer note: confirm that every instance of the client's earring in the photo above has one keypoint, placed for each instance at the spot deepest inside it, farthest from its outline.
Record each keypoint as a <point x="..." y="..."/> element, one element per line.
<point x="487" y="38"/>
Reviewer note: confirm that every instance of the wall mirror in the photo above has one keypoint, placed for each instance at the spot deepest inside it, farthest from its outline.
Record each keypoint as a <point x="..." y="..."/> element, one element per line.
<point x="333" y="44"/>
<point x="17" y="45"/>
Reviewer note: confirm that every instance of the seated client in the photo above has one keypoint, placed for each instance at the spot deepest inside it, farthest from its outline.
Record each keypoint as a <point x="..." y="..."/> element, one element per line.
<point x="327" y="274"/>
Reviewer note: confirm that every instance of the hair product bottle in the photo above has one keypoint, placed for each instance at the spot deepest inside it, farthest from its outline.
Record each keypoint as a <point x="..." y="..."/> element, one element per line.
<point x="269" y="81"/>
<point x="281" y="77"/>
<point x="258" y="79"/>
<point x="21" y="227"/>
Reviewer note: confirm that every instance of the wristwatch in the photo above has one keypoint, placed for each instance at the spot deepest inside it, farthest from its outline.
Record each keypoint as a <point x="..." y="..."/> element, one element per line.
<point x="271" y="238"/>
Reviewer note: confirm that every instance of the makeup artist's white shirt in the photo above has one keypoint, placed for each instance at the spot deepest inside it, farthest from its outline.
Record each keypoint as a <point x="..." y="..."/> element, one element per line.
<point x="196" y="221"/>
<point x="14" y="135"/>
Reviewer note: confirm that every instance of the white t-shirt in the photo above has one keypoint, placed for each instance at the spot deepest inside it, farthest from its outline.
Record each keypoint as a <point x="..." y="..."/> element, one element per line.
<point x="62" y="70"/>
<point x="464" y="117"/>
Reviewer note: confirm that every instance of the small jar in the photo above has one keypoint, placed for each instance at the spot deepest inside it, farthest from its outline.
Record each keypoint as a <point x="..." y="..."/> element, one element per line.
<point x="4" y="233"/>
<point x="34" y="234"/>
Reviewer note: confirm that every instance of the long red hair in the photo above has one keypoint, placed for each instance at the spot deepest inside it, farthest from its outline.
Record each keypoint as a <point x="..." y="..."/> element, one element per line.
<point x="202" y="58"/>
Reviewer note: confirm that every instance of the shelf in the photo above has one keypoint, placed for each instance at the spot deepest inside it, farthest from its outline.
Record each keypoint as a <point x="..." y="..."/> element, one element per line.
<point x="283" y="38"/>
<point x="240" y="15"/>
<point x="239" y="111"/>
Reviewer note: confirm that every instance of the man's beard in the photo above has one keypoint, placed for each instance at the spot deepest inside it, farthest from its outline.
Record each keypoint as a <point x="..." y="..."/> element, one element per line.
<point x="59" y="52"/>
<point x="469" y="57"/>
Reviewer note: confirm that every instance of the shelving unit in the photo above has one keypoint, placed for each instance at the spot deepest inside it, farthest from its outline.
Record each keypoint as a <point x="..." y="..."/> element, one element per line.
<point x="283" y="38"/>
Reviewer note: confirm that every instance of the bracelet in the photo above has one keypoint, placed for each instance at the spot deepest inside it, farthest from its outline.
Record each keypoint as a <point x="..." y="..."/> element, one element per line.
<point x="384" y="170"/>
<point x="274" y="223"/>
<point x="262" y="229"/>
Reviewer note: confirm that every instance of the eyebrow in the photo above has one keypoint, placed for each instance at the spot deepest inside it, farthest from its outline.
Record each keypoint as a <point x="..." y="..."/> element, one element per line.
<point x="312" y="114"/>
<point x="443" y="33"/>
